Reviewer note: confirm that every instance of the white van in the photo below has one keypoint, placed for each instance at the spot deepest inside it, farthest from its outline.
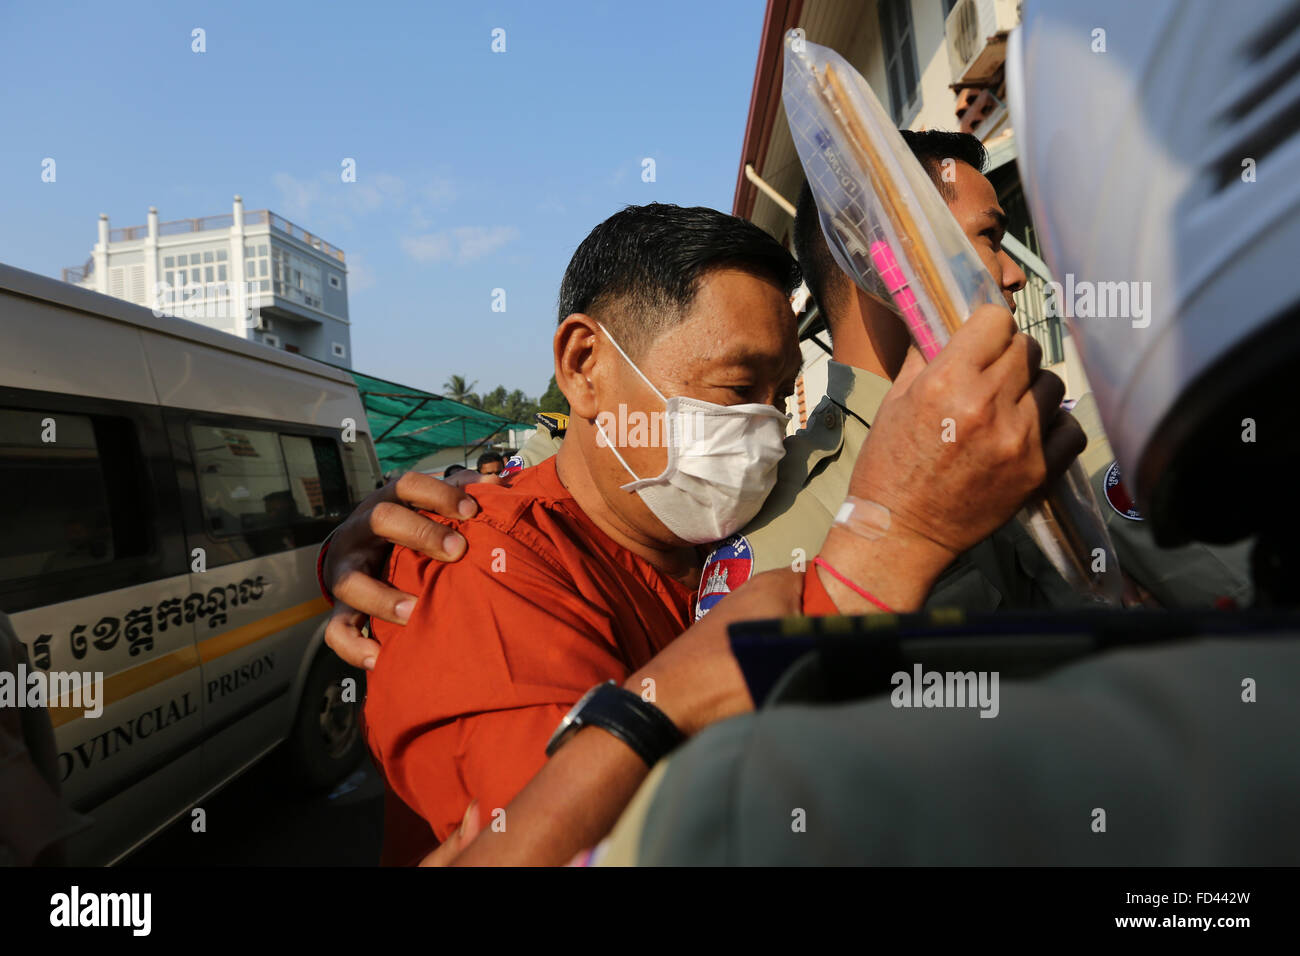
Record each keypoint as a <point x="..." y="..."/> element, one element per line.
<point x="164" y="488"/>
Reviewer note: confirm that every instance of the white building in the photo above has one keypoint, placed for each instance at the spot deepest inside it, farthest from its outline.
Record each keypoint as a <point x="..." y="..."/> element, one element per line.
<point x="252" y="274"/>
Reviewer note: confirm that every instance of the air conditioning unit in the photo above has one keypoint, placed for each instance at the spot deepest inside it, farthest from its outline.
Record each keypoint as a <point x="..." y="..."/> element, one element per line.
<point x="976" y="32"/>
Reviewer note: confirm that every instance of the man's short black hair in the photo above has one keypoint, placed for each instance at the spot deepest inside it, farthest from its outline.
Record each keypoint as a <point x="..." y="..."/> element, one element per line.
<point x="639" y="271"/>
<point x="933" y="146"/>
<point x="487" y="458"/>
<point x="826" y="281"/>
<point x="452" y="469"/>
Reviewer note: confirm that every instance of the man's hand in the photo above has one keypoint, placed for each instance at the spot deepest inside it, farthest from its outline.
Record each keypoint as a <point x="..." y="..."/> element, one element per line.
<point x="960" y="444"/>
<point x="450" y="848"/>
<point x="358" y="552"/>
<point x="957" y="447"/>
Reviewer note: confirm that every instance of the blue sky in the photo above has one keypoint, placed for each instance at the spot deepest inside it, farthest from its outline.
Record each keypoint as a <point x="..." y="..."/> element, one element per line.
<point x="475" y="170"/>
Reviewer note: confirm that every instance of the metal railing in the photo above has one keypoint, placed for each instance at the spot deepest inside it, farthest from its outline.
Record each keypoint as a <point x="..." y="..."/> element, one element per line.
<point x="302" y="235"/>
<point x="180" y="226"/>
<point x="1031" y="302"/>
<point x="128" y="233"/>
<point x="255" y="217"/>
<point x="78" y="274"/>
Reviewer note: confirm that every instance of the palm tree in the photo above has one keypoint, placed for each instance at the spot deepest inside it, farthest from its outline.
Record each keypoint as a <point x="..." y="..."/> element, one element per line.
<point x="494" y="401"/>
<point x="458" y="390"/>
<point x="518" y="407"/>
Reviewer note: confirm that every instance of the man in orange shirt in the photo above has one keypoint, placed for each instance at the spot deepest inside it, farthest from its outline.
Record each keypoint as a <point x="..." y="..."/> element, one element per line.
<point x="544" y="606"/>
<point x="675" y="349"/>
<point x="567" y="581"/>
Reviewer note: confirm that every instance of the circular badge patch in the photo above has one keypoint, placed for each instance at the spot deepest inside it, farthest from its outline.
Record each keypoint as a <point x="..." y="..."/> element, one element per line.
<point x="1117" y="495"/>
<point x="727" y="568"/>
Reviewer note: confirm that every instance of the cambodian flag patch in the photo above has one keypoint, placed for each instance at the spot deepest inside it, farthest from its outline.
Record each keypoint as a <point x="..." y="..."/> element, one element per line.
<point x="513" y="466"/>
<point x="727" y="567"/>
<point x="1117" y="495"/>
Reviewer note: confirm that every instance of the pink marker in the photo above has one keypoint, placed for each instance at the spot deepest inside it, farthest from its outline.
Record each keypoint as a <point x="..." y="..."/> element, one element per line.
<point x="891" y="273"/>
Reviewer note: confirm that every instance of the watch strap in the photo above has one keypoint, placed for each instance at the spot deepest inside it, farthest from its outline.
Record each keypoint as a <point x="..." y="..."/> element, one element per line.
<point x="638" y="723"/>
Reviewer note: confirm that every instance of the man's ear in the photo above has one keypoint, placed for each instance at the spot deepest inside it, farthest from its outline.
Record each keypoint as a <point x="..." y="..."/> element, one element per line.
<point x="575" y="359"/>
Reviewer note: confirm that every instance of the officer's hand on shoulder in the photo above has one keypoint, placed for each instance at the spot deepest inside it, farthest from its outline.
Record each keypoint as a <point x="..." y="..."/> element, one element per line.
<point x="353" y="568"/>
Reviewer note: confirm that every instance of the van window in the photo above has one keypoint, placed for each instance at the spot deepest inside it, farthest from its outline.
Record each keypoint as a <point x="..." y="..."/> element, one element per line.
<point x="362" y="472"/>
<point x="72" y="492"/>
<point x="242" y="479"/>
<point x="276" y="491"/>
<point x="316" y="477"/>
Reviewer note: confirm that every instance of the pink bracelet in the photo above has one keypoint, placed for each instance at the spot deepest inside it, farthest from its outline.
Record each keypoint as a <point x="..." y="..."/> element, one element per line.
<point x="861" y="592"/>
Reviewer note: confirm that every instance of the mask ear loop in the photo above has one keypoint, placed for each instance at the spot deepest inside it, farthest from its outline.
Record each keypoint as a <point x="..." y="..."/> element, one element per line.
<point x="614" y="342"/>
<point x="609" y="444"/>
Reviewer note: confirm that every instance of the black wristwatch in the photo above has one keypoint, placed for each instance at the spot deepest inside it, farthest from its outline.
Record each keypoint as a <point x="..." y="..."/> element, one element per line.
<point x="639" y="724"/>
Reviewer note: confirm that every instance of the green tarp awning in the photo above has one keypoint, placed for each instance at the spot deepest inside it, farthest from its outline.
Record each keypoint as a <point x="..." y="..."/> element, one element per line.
<point x="408" y="424"/>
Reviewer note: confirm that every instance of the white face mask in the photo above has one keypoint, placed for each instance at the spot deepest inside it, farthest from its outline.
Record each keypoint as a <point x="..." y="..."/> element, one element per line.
<point x="721" y="463"/>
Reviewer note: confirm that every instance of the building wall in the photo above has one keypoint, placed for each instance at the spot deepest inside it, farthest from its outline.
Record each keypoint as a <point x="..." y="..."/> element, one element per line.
<point x="938" y="102"/>
<point x="318" y="340"/>
<point x="336" y="300"/>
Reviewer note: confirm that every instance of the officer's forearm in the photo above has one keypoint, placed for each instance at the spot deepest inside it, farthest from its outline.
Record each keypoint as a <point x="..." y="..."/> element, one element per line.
<point x="696" y="680"/>
<point x="572" y="802"/>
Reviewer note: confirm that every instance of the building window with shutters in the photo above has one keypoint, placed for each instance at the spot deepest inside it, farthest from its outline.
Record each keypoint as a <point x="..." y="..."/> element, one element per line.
<point x="138" y="293"/>
<point x="899" y="40"/>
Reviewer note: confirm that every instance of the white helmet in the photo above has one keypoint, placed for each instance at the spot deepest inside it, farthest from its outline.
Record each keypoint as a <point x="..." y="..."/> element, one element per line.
<point x="1159" y="146"/>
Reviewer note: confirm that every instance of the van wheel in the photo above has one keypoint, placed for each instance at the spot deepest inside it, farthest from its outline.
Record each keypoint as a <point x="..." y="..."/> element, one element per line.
<point x="326" y="742"/>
